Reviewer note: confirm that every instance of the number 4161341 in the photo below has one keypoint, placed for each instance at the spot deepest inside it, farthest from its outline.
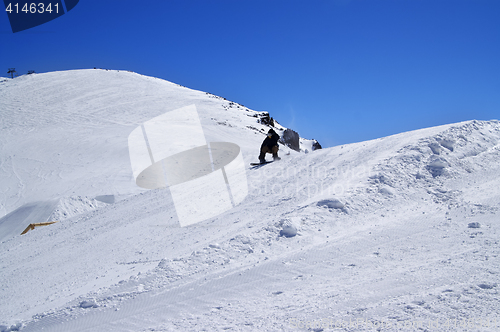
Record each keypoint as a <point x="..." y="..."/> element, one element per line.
<point x="32" y="8"/>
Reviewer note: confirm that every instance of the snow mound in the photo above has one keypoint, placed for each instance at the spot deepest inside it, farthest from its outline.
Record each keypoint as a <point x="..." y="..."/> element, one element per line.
<point x="88" y="304"/>
<point x="12" y="328"/>
<point x="289" y="227"/>
<point x="69" y="207"/>
<point x="288" y="231"/>
<point x="332" y="203"/>
<point x="437" y="166"/>
<point x="433" y="162"/>
<point x="474" y="225"/>
<point x="18" y="220"/>
<point x="386" y="190"/>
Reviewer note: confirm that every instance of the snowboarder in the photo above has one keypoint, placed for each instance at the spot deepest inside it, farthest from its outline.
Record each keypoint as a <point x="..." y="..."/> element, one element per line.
<point x="270" y="145"/>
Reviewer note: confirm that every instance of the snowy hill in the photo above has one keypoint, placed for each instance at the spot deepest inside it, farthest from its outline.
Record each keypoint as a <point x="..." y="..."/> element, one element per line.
<point x="395" y="233"/>
<point x="72" y="127"/>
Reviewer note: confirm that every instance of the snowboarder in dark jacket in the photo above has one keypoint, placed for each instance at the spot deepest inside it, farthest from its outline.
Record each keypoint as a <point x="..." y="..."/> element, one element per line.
<point x="270" y="145"/>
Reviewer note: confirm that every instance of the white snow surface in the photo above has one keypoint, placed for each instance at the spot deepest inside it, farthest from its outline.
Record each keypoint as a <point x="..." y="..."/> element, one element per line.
<point x="398" y="233"/>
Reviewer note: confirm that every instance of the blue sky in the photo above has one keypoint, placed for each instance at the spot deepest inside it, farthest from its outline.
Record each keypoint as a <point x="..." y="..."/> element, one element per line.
<point x="339" y="71"/>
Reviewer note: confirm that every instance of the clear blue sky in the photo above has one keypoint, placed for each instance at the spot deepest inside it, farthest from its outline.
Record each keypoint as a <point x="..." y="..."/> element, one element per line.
<point x="340" y="71"/>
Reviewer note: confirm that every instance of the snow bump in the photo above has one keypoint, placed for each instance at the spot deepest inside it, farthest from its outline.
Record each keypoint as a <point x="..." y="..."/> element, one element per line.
<point x="437" y="166"/>
<point x="289" y="227"/>
<point x="288" y="231"/>
<point x="88" y="304"/>
<point x="332" y="203"/>
<point x="386" y="190"/>
<point x="447" y="143"/>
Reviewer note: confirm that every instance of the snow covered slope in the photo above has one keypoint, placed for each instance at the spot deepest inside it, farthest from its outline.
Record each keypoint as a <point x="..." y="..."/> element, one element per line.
<point x="398" y="233"/>
<point x="64" y="134"/>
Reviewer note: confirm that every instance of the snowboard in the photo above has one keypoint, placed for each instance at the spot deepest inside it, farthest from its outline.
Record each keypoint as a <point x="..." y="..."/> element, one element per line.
<point x="258" y="164"/>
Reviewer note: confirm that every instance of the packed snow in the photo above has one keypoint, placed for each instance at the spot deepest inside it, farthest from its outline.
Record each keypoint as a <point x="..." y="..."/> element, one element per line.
<point x="395" y="234"/>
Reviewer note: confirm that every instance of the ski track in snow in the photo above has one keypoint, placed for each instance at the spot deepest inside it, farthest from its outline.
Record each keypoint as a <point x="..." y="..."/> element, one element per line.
<point x="398" y="233"/>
